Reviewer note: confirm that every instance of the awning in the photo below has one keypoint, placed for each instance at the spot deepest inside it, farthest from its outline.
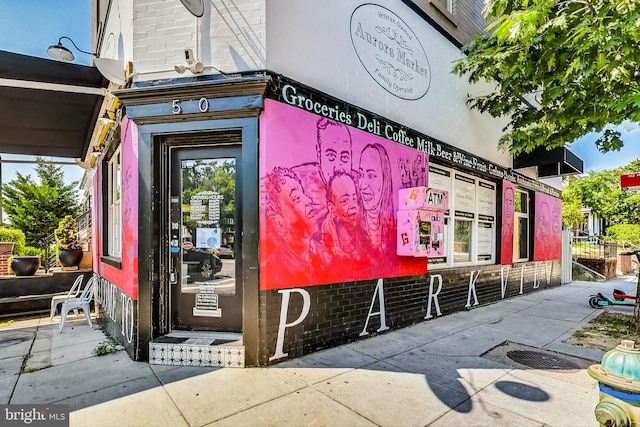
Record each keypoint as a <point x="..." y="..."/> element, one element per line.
<point x="47" y="107"/>
<point x="556" y="162"/>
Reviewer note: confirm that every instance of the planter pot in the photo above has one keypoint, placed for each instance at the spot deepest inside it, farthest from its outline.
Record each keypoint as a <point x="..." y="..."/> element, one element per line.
<point x="70" y="257"/>
<point x="6" y="248"/>
<point x="25" y="265"/>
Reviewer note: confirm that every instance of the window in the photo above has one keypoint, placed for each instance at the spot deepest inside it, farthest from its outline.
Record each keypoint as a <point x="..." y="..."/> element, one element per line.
<point x="444" y="4"/>
<point x="462" y="240"/>
<point x="470" y="232"/>
<point x="114" y="193"/>
<point x="521" y="226"/>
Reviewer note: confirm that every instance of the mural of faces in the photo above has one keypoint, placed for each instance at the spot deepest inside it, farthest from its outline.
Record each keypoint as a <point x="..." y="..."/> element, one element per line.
<point x="370" y="178"/>
<point x="509" y="209"/>
<point x="327" y="221"/>
<point x="547" y="228"/>
<point x="292" y="207"/>
<point x="343" y="198"/>
<point x="333" y="148"/>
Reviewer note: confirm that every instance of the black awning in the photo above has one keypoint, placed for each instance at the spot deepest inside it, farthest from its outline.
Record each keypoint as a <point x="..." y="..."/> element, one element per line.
<point x="555" y="162"/>
<point x="47" y="107"/>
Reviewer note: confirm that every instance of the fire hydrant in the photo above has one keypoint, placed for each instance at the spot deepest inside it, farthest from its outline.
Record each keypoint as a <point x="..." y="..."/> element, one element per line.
<point x="618" y="376"/>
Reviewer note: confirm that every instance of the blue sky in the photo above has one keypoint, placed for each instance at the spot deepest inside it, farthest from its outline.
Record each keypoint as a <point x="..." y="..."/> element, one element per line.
<point x="595" y="160"/>
<point x="29" y="27"/>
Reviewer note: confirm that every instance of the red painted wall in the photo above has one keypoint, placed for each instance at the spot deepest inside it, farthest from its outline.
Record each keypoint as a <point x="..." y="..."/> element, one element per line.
<point x="328" y="200"/>
<point x="508" y="213"/>
<point x="548" y="228"/>
<point x="126" y="278"/>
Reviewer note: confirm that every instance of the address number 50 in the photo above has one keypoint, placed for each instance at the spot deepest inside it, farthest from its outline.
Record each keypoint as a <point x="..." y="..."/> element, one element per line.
<point x="203" y="106"/>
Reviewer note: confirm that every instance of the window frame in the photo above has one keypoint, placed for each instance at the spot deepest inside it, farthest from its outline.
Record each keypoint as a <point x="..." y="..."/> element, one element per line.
<point x="516" y="223"/>
<point x="451" y="218"/>
<point x="113" y="204"/>
<point x="447" y="7"/>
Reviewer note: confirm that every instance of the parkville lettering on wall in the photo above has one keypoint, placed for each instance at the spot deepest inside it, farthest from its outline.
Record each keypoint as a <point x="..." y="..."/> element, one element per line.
<point x="308" y="99"/>
<point x="109" y="296"/>
<point x="377" y="301"/>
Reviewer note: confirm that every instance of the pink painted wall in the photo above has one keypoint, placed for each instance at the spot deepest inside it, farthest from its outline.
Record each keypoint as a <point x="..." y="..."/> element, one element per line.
<point x="125" y="278"/>
<point x="547" y="228"/>
<point x="508" y="214"/>
<point x="328" y="210"/>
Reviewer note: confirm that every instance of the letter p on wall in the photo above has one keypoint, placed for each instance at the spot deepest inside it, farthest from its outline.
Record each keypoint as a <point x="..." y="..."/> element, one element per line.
<point x="284" y="308"/>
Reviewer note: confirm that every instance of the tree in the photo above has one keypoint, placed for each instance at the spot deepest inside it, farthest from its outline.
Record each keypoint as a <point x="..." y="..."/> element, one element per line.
<point x="562" y="68"/>
<point x="571" y="214"/>
<point x="600" y="191"/>
<point x="37" y="207"/>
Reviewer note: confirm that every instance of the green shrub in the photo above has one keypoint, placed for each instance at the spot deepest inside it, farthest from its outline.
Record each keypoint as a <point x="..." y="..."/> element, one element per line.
<point x="67" y="233"/>
<point x="33" y="251"/>
<point x="16" y="236"/>
<point x="629" y="233"/>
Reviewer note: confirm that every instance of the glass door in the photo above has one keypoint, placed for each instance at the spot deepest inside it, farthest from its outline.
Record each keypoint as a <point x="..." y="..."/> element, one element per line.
<point x="204" y="245"/>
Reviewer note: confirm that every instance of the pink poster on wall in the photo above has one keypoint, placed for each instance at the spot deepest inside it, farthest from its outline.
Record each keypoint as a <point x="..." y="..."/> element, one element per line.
<point x="508" y="214"/>
<point x="328" y="200"/>
<point x="547" y="228"/>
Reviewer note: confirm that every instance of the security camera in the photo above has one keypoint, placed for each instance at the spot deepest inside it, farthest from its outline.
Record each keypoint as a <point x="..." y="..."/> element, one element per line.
<point x="188" y="56"/>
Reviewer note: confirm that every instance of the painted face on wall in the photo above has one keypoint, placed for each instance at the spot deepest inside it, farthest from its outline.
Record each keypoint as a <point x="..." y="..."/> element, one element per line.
<point x="334" y="151"/>
<point x="296" y="207"/>
<point x="370" y="179"/>
<point x="509" y="211"/>
<point x="344" y="198"/>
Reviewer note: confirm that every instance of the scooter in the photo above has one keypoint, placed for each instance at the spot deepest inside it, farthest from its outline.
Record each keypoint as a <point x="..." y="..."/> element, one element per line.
<point x="619" y="298"/>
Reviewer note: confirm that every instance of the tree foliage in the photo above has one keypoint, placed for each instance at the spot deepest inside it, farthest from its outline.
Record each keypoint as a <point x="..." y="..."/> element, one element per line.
<point x="576" y="62"/>
<point x="37" y="207"/>
<point x="600" y="191"/>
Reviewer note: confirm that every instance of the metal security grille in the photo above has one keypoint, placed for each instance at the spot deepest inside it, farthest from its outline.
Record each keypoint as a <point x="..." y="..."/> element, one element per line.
<point x="539" y="360"/>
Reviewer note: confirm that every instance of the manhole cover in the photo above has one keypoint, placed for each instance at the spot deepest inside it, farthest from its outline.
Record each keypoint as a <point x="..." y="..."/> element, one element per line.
<point x="539" y="360"/>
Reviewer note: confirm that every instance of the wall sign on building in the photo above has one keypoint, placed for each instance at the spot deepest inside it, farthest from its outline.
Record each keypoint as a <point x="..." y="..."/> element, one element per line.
<point x="390" y="52"/>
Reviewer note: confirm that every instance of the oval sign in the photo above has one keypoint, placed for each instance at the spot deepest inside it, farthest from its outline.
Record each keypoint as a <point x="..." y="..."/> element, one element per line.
<point x="196" y="7"/>
<point x="390" y="51"/>
<point x="186" y="245"/>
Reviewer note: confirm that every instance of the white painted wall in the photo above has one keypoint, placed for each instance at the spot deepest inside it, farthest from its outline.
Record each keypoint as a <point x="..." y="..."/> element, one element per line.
<point x="311" y="42"/>
<point x="153" y="34"/>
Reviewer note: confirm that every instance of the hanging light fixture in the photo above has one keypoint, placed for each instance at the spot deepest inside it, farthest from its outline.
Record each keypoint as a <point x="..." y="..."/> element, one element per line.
<point x="62" y="53"/>
<point x="106" y="119"/>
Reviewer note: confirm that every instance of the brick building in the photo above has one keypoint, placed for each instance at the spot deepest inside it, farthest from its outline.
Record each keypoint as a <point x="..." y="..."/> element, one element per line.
<point x="249" y="188"/>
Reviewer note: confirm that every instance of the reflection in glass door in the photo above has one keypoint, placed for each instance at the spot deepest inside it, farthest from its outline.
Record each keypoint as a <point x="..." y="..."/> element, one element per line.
<point x="205" y="292"/>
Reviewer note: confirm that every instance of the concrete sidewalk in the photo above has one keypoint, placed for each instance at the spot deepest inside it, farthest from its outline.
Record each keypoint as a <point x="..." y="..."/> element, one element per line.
<point x="437" y="373"/>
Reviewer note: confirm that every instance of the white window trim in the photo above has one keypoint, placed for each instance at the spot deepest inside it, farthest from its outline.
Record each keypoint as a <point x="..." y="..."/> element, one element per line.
<point x="517" y="216"/>
<point x="450" y="227"/>
<point x="114" y="204"/>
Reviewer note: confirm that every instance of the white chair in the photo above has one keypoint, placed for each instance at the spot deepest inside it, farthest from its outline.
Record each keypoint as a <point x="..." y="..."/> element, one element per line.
<point x="73" y="292"/>
<point x="83" y="302"/>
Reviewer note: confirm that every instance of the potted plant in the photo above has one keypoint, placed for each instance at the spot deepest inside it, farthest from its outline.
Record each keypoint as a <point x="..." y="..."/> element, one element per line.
<point x="69" y="248"/>
<point x="24" y="265"/>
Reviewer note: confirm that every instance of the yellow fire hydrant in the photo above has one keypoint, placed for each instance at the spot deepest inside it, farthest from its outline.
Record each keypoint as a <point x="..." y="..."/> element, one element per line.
<point x="618" y="376"/>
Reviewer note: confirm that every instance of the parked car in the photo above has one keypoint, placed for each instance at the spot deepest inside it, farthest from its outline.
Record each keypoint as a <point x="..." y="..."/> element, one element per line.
<point x="201" y="264"/>
<point x="225" y="251"/>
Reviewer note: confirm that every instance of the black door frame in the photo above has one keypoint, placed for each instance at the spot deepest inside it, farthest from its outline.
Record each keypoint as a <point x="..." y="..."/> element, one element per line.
<point x="223" y="144"/>
<point x="154" y="316"/>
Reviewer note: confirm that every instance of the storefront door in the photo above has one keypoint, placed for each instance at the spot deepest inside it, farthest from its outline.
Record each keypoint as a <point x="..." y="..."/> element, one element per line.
<point x="205" y="239"/>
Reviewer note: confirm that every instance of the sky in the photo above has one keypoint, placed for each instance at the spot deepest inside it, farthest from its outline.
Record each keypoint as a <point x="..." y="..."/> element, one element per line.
<point x="29" y="27"/>
<point x="593" y="159"/>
